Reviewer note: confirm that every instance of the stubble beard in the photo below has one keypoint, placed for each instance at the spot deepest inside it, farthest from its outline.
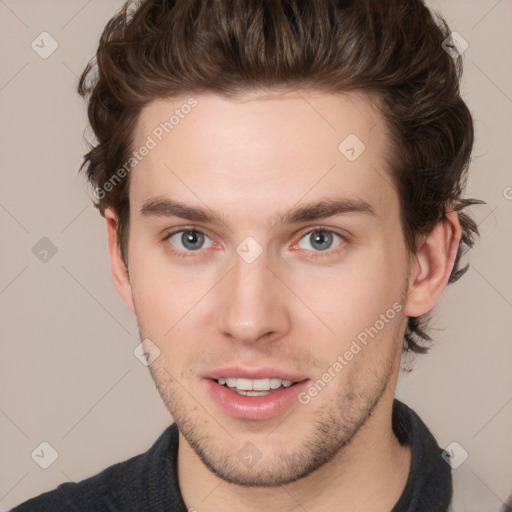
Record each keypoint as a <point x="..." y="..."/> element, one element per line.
<point x="334" y="427"/>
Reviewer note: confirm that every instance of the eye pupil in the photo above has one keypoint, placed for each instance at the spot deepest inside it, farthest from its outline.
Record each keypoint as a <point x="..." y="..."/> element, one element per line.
<point x="190" y="240"/>
<point x="321" y="240"/>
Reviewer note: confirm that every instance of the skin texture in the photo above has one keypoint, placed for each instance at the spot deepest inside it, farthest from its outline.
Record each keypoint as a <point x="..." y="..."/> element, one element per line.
<point x="250" y="159"/>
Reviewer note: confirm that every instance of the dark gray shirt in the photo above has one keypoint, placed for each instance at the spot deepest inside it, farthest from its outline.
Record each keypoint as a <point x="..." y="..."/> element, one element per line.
<point x="148" y="482"/>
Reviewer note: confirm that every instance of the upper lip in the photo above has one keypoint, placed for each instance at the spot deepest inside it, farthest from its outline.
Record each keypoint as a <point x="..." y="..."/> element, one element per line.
<point x="255" y="373"/>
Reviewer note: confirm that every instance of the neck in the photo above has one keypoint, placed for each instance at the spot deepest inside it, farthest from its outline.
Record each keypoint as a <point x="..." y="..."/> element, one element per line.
<point x="374" y="461"/>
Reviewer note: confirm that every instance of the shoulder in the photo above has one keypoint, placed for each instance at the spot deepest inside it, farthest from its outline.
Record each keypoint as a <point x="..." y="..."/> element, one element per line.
<point x="122" y="486"/>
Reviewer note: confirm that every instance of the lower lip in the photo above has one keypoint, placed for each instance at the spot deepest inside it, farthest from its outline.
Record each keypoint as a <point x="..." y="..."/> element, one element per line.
<point x="255" y="407"/>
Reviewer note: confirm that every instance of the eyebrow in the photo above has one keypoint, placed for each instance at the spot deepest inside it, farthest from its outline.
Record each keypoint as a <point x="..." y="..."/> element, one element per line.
<point x="166" y="207"/>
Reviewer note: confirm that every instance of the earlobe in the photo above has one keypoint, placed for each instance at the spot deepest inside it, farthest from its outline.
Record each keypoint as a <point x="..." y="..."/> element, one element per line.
<point x="118" y="268"/>
<point x="432" y="265"/>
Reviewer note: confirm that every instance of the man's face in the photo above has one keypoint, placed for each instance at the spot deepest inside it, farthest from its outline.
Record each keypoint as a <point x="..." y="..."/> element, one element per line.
<point x="263" y="295"/>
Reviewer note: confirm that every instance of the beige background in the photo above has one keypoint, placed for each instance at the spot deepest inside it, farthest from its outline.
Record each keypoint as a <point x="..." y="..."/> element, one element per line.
<point x="68" y="374"/>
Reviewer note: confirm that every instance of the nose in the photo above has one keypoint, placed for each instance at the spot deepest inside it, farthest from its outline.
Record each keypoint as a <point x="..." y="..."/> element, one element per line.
<point x="253" y="303"/>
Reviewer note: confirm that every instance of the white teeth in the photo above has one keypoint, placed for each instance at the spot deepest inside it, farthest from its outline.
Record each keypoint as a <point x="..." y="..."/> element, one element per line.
<point x="251" y="393"/>
<point x="275" y="383"/>
<point x="244" y="384"/>
<point x="254" y="384"/>
<point x="260" y="384"/>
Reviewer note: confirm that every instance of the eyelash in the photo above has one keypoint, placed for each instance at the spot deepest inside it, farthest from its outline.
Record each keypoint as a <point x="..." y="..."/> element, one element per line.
<point x="314" y="255"/>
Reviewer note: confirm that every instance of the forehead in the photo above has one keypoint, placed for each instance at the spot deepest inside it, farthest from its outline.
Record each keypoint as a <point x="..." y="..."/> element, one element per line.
<point x="262" y="148"/>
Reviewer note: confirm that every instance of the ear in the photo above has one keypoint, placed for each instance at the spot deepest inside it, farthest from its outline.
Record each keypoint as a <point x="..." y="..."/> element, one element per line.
<point x="119" y="271"/>
<point x="432" y="265"/>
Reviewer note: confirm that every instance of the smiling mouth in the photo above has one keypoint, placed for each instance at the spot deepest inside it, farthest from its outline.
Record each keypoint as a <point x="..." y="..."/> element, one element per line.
<point x="261" y="399"/>
<point x="254" y="387"/>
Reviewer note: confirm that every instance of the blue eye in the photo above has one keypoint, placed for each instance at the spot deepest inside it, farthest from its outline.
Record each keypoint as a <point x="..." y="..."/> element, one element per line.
<point x="190" y="240"/>
<point x="320" y="240"/>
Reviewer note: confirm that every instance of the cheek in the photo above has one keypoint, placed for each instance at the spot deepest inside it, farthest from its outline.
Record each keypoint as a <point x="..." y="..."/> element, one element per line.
<point x="161" y="293"/>
<point x="151" y="272"/>
<point x="171" y="304"/>
<point x="352" y="296"/>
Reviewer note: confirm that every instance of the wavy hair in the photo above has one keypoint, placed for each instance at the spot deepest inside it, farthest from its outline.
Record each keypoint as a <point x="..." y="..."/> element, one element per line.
<point x="392" y="50"/>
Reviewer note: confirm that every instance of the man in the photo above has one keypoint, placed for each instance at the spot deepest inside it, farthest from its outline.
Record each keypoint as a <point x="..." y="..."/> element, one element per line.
<point x="282" y="188"/>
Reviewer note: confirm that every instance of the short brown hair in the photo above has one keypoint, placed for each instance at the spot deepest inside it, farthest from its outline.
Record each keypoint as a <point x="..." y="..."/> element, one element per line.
<point x="390" y="49"/>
